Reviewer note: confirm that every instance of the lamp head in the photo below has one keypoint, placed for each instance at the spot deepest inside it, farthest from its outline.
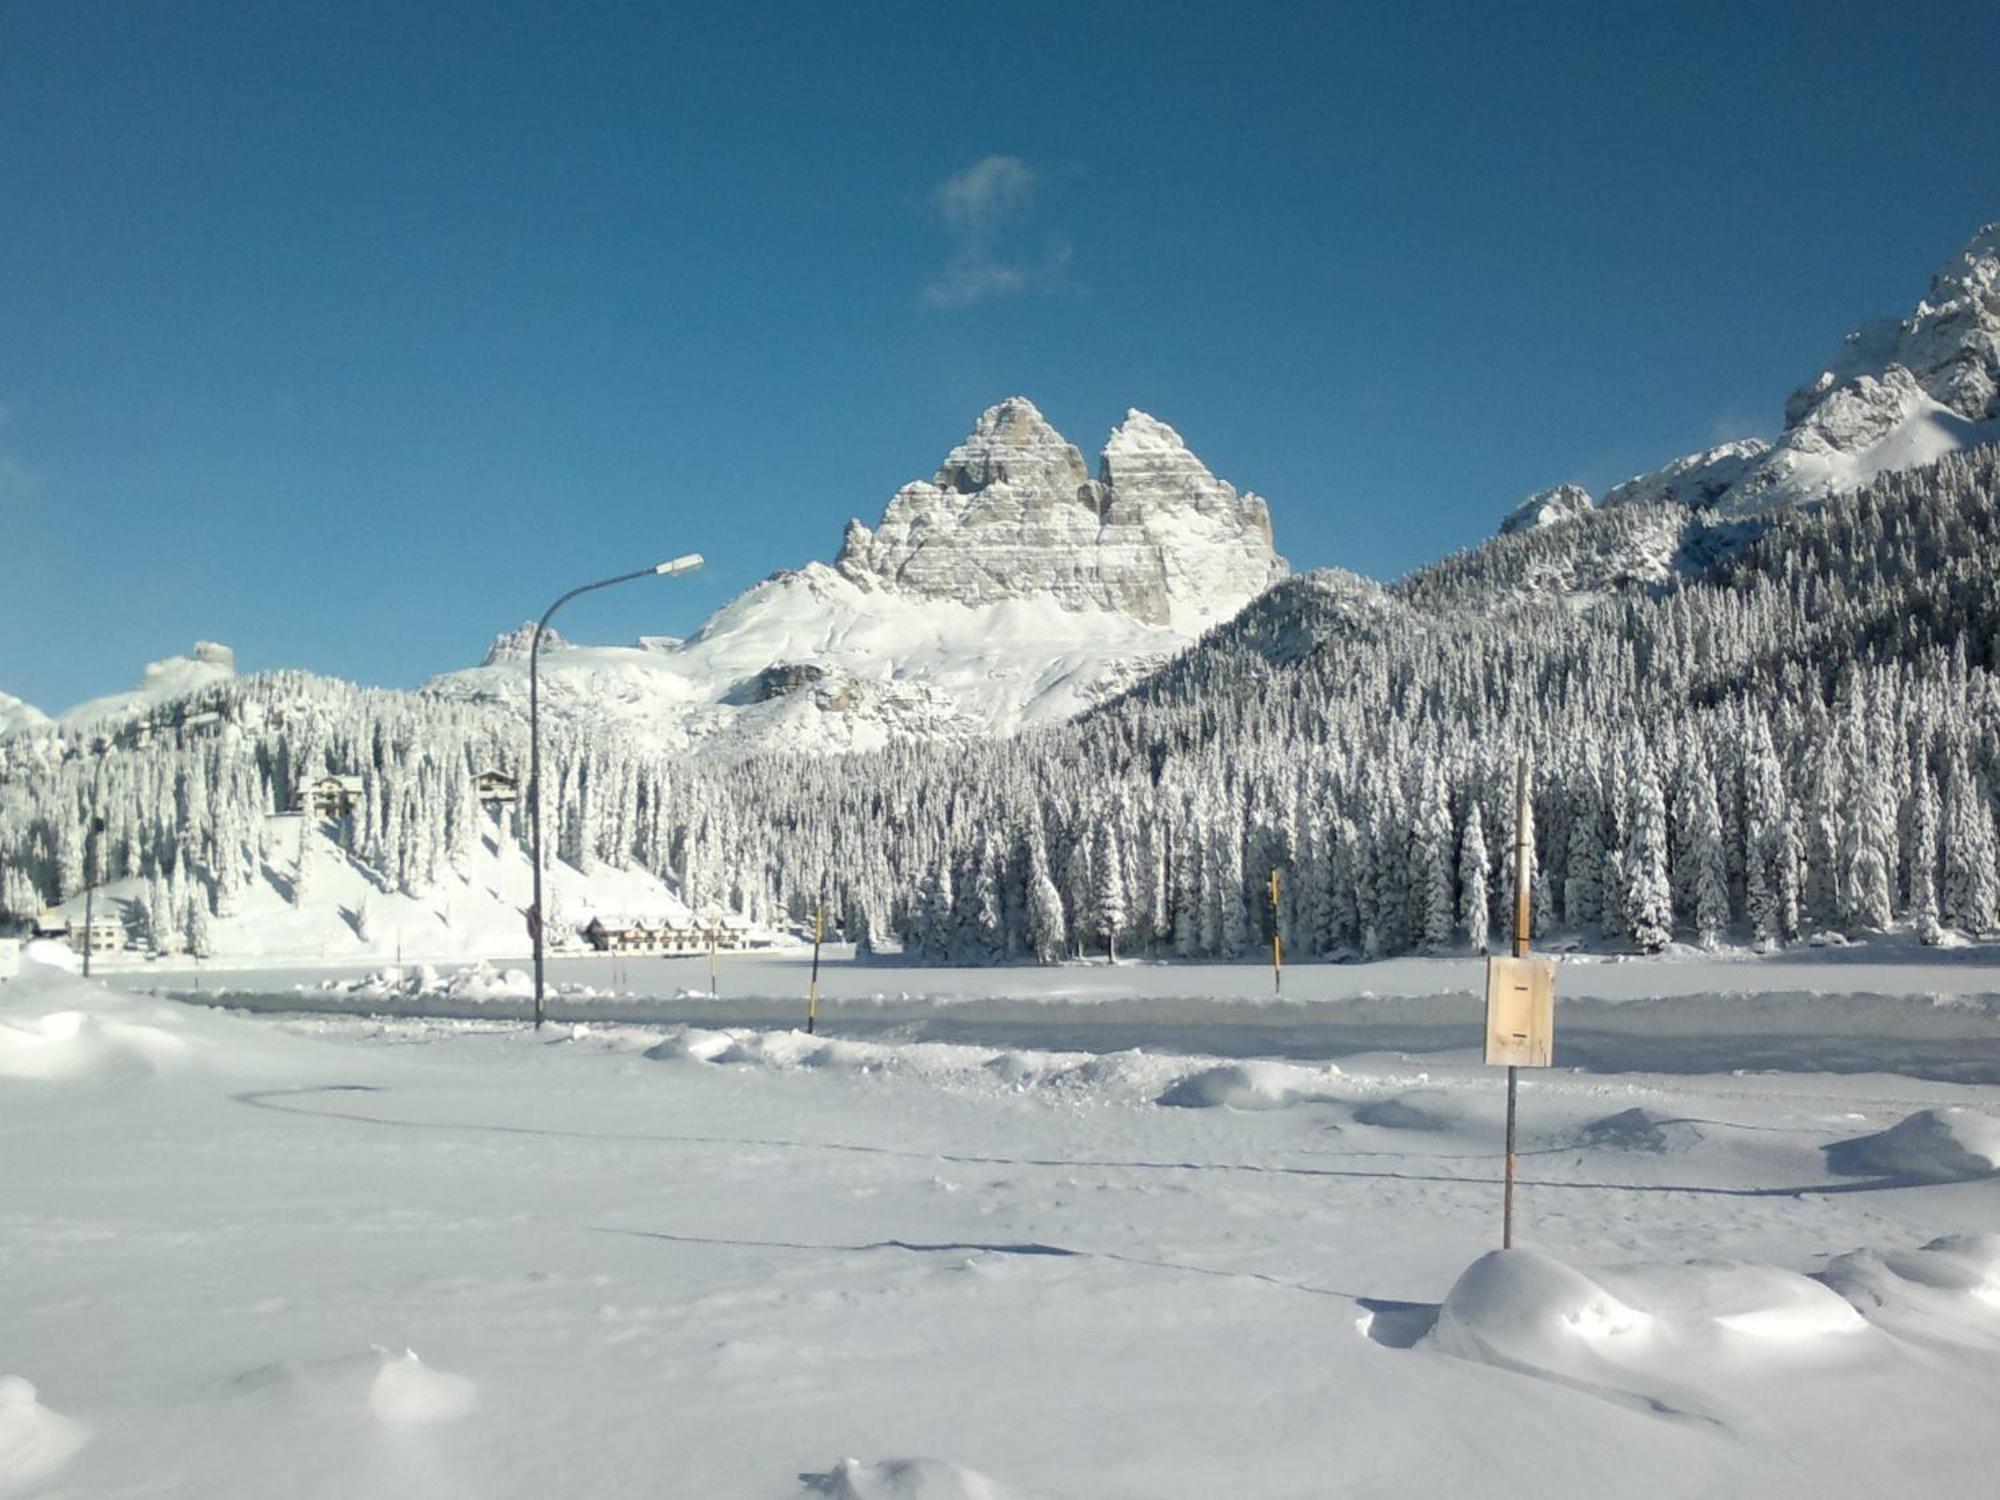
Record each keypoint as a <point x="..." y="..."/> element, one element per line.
<point x="673" y="566"/>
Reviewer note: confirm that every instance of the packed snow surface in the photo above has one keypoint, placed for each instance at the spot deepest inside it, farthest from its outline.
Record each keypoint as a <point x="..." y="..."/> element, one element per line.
<point x="740" y="1260"/>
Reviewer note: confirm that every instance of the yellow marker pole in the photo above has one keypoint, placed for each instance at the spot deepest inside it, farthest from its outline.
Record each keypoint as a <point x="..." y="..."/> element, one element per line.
<point x="1277" y="943"/>
<point x="819" y="930"/>
<point x="1521" y="921"/>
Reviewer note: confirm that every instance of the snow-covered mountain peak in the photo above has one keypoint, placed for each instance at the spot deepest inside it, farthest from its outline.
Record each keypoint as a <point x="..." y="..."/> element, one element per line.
<point x="515" y="645"/>
<point x="164" y="681"/>
<point x="1009" y="589"/>
<point x="1561" y="502"/>
<point x="1013" y="514"/>
<point x="1012" y="445"/>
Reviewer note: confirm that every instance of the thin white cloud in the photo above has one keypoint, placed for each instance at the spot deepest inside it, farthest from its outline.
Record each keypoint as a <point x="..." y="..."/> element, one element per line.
<point x="987" y="194"/>
<point x="987" y="209"/>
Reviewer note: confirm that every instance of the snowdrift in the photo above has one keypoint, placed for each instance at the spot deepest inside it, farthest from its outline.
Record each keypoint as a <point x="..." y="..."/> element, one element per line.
<point x="1933" y="1145"/>
<point x="34" y="1441"/>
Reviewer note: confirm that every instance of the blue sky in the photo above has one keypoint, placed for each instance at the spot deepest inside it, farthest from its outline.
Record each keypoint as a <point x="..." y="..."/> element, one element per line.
<point x="350" y="333"/>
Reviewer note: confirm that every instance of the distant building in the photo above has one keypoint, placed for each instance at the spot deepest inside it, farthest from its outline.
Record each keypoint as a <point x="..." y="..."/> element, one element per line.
<point x="50" y="923"/>
<point x="495" y="788"/>
<point x="329" y="797"/>
<point x="104" y="935"/>
<point x="664" y="934"/>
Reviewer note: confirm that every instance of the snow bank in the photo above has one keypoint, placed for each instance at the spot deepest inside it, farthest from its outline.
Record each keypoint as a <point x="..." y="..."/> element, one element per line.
<point x="34" y="1441"/>
<point x="905" y="1479"/>
<point x="1248" y="1085"/>
<point x="474" y="982"/>
<point x="1954" y="1144"/>
<point x="67" y="1046"/>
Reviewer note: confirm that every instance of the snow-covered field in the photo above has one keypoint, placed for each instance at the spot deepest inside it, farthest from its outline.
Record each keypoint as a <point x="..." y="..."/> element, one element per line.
<point x="702" y="1260"/>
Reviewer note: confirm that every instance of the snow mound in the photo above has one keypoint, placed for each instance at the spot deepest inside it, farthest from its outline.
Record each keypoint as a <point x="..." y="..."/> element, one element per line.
<point x="1954" y="1144"/>
<point x="693" y="1044"/>
<point x="474" y="982"/>
<point x="409" y="1393"/>
<point x="905" y="1479"/>
<point x="396" y="1390"/>
<point x="1520" y="1307"/>
<point x="1427" y="1109"/>
<point x="70" y="1046"/>
<point x="1639" y="1129"/>
<point x="1950" y="1285"/>
<point x="1246" y="1085"/>
<point x="34" y="1441"/>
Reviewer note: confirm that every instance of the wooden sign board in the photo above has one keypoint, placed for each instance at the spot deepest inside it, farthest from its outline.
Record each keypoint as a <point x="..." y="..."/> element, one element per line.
<point x="1520" y="1012"/>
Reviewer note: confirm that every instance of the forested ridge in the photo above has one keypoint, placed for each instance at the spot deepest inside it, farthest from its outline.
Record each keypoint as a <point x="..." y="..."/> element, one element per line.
<point x="1741" y="730"/>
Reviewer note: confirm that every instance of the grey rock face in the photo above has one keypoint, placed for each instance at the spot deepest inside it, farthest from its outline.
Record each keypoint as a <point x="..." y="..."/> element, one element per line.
<point x="1014" y="512"/>
<point x="1546" y="507"/>
<point x="515" y="645"/>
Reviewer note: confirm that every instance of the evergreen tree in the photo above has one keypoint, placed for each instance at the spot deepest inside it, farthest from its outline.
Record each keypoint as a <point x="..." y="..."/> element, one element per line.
<point x="1474" y="911"/>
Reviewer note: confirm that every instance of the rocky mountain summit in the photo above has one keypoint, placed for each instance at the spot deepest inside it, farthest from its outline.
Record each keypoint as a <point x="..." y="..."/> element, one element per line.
<point x="1011" y="589"/>
<point x="1899" y="393"/>
<point x="1562" y="502"/>
<point x="1013" y="512"/>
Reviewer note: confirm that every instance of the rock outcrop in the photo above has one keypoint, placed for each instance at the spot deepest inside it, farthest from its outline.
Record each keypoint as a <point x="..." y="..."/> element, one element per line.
<point x="1546" y="507"/>
<point x="1014" y="513"/>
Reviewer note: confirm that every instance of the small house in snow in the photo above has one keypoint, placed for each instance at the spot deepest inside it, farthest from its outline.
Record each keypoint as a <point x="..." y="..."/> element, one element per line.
<point x="495" y="788"/>
<point x="329" y="797"/>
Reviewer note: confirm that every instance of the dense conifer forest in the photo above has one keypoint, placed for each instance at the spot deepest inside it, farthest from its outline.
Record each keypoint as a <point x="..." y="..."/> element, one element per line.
<point x="1743" y="731"/>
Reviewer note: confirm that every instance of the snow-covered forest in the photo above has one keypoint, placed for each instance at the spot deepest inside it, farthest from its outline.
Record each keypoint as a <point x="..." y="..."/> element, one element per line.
<point x="1751" y="730"/>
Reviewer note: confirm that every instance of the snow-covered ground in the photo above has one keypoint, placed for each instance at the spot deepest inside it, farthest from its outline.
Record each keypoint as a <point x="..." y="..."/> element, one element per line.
<point x="723" y="1261"/>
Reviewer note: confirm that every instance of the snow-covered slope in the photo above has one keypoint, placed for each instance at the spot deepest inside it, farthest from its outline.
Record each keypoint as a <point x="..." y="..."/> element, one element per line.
<point x="165" y="681"/>
<point x="1010" y="590"/>
<point x="475" y="911"/>
<point x="16" y="713"/>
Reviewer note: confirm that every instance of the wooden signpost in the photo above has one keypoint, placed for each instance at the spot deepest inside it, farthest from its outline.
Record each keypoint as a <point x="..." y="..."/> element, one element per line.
<point x="1520" y="1000"/>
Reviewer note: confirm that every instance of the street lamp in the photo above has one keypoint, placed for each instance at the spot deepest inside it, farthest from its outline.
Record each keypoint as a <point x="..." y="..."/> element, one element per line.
<point x="673" y="567"/>
<point x="93" y="830"/>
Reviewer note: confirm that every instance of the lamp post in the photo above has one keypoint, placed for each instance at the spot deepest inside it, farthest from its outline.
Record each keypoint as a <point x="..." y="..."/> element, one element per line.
<point x="93" y="830"/>
<point x="672" y="567"/>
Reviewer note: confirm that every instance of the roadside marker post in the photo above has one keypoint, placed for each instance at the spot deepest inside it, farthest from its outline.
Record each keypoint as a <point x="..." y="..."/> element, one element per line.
<point x="1277" y="943"/>
<point x="819" y="931"/>
<point x="1520" y="1000"/>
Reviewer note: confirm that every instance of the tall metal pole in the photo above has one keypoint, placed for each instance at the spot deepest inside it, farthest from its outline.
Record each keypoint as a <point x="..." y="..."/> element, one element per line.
<point x="676" y="565"/>
<point x="1521" y="920"/>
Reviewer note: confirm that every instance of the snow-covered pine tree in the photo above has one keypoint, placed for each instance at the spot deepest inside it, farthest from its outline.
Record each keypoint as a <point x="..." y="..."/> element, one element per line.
<point x="1649" y="916"/>
<point x="1110" y="906"/>
<point x="1474" y="910"/>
